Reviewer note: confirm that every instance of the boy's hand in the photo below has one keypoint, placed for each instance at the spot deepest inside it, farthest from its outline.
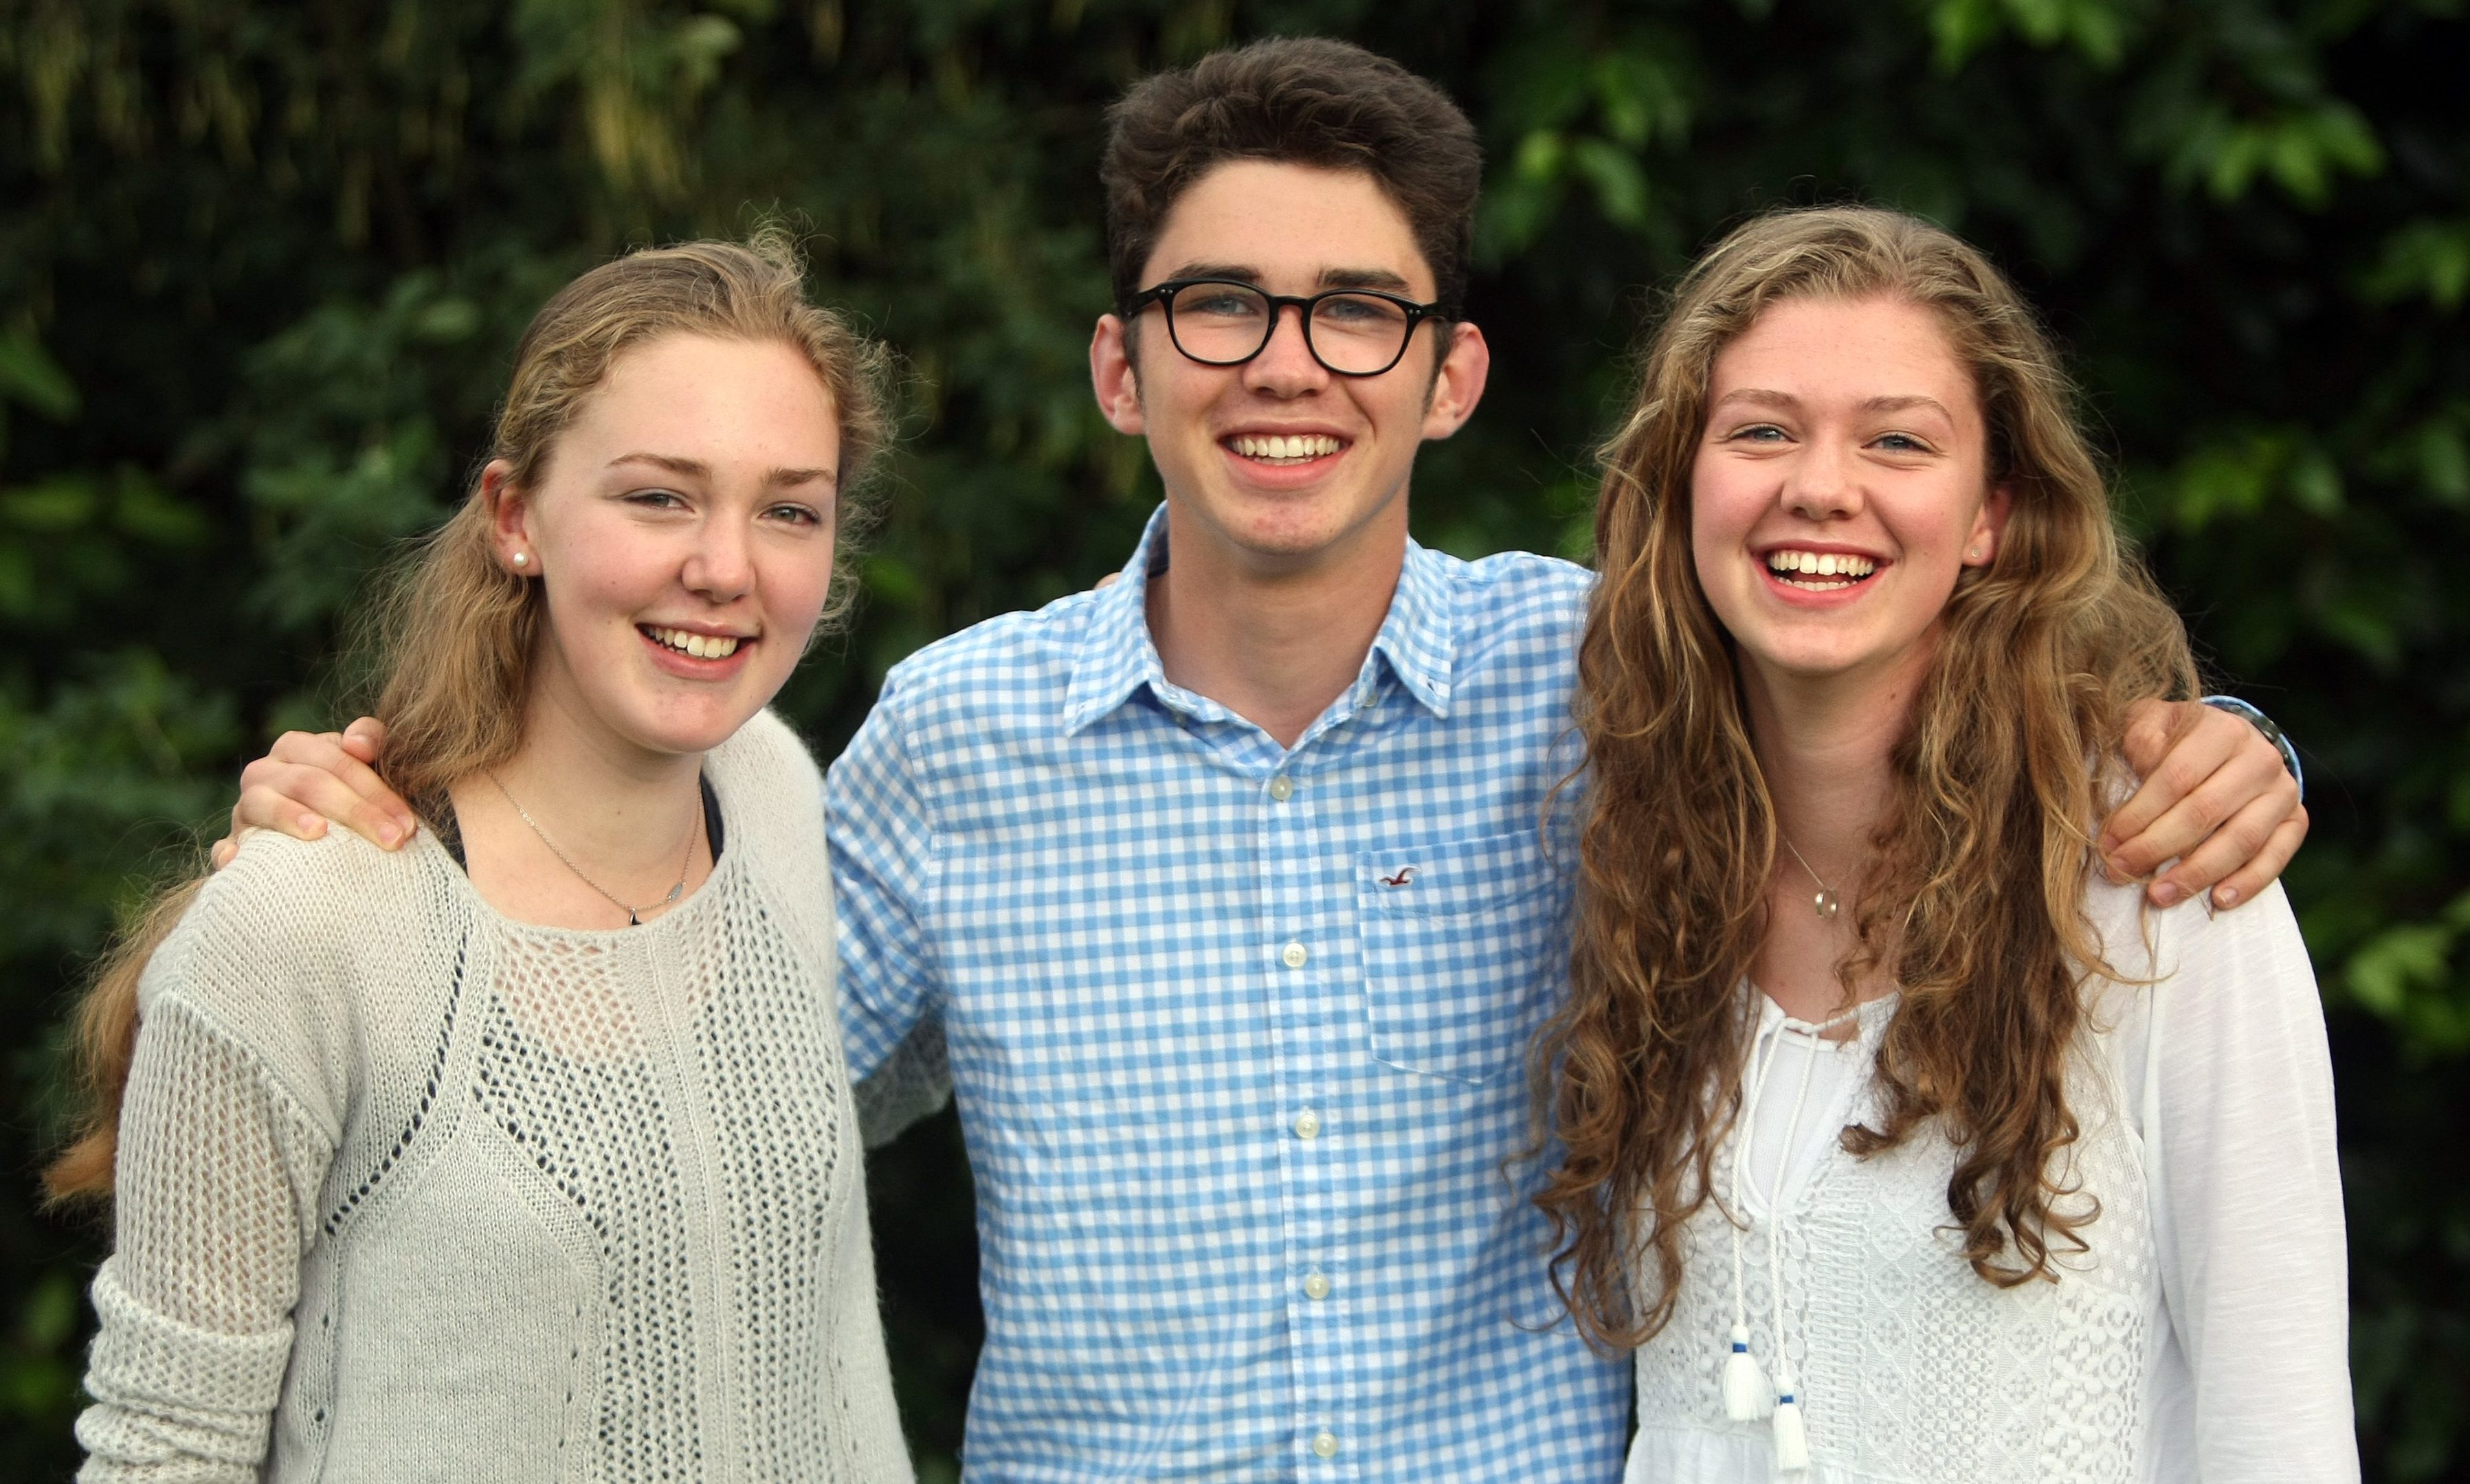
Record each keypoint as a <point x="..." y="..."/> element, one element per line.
<point x="2215" y="795"/>
<point x="309" y="778"/>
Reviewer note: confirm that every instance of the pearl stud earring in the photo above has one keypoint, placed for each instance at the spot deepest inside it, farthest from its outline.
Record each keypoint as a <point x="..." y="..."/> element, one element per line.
<point x="522" y="558"/>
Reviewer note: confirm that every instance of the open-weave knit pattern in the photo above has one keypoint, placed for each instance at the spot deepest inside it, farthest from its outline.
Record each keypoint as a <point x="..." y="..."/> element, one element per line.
<point x="407" y="1191"/>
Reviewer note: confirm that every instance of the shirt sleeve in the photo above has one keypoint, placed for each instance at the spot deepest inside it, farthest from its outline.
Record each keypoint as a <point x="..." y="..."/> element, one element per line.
<point x="214" y="1203"/>
<point x="2247" y="1207"/>
<point x="885" y="863"/>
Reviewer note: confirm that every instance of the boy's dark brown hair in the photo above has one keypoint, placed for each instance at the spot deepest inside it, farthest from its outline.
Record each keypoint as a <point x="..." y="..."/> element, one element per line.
<point x="1297" y="101"/>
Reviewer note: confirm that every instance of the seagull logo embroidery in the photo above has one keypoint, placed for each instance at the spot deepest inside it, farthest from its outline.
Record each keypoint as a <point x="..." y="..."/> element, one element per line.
<point x="1405" y="874"/>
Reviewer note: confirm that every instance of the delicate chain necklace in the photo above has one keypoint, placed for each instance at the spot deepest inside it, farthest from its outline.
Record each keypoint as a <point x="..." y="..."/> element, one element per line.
<point x="634" y="915"/>
<point x="1824" y="903"/>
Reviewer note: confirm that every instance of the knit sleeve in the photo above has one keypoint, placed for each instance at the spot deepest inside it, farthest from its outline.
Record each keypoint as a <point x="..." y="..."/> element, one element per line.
<point x="215" y="1201"/>
<point x="2247" y="1207"/>
<point x="884" y="865"/>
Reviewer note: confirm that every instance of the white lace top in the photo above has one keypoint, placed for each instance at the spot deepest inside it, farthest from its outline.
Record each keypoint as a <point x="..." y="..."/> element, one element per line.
<point x="2203" y="1335"/>
<point x="410" y="1190"/>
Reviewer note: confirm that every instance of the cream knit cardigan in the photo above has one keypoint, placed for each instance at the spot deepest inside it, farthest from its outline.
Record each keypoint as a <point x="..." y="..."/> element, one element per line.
<point x="409" y="1190"/>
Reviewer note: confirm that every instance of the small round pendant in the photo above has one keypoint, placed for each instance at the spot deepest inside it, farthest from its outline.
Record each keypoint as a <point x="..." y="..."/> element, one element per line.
<point x="1825" y="902"/>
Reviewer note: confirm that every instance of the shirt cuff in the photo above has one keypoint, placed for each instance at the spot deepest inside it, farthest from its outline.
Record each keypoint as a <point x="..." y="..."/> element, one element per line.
<point x="2271" y="733"/>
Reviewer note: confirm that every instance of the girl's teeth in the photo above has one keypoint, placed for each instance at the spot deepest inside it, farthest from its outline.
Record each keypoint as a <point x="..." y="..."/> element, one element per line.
<point x="1791" y="564"/>
<point x="701" y="646"/>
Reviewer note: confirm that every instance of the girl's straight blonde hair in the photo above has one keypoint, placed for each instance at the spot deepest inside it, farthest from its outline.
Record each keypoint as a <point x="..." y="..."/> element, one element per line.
<point x="448" y="645"/>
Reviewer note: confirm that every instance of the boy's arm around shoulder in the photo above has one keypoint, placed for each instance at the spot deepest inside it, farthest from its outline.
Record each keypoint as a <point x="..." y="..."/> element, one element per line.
<point x="886" y="865"/>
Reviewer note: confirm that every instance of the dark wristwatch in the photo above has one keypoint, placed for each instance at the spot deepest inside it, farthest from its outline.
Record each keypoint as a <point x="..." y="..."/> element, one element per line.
<point x="2272" y="733"/>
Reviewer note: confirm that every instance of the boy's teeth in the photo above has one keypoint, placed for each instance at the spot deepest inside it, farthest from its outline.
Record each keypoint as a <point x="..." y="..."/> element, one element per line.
<point x="703" y="646"/>
<point x="1282" y="446"/>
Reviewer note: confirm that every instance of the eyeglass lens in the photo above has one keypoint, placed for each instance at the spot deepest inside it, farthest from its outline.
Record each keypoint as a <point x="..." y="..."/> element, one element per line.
<point x="1352" y="333"/>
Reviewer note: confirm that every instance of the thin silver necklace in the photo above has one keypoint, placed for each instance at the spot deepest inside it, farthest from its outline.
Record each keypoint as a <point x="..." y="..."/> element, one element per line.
<point x="634" y="915"/>
<point x="1824" y="903"/>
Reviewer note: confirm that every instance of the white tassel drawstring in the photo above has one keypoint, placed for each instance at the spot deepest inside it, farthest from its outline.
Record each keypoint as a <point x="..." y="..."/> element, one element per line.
<point x="1792" y="1432"/>
<point x="1748" y="1394"/>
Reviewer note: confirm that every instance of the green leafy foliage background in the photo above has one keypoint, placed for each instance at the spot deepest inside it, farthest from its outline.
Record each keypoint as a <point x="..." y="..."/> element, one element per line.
<point x="262" y="266"/>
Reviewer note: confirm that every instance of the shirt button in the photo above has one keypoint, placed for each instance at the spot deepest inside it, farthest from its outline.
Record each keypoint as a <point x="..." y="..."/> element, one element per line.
<point x="1316" y="1286"/>
<point x="1325" y="1444"/>
<point x="1295" y="956"/>
<point x="1307" y="1124"/>
<point x="1281" y="788"/>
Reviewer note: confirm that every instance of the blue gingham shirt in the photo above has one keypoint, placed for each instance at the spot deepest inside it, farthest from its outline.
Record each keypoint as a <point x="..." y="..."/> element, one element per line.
<point x="1238" y="1035"/>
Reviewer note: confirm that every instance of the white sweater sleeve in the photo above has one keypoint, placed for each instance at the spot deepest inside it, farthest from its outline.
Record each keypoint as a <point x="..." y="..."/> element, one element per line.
<point x="216" y="1190"/>
<point x="2248" y="1209"/>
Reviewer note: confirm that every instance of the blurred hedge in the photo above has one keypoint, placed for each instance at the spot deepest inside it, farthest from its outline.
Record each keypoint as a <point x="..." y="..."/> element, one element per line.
<point x="260" y="266"/>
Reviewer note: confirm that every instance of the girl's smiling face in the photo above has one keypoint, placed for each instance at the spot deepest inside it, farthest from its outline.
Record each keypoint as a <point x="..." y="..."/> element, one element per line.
<point x="1840" y="487"/>
<point x="683" y="529"/>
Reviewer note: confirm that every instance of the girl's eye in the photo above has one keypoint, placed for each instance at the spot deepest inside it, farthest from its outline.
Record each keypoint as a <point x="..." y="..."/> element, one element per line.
<point x="1902" y="443"/>
<point x="658" y="499"/>
<point x="796" y="515"/>
<point x="1760" y="433"/>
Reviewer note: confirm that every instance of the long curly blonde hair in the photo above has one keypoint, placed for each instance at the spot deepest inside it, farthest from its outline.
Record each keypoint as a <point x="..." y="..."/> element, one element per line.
<point x="1974" y="904"/>
<point x="448" y="643"/>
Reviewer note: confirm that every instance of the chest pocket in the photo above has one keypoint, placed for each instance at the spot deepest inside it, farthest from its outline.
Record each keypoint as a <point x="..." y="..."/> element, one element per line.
<point x="1460" y="941"/>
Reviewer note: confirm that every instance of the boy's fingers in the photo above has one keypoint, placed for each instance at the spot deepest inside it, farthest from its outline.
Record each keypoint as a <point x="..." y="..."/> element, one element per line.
<point x="2151" y="728"/>
<point x="2247" y="881"/>
<point x="2189" y="754"/>
<point x="2244" y="779"/>
<point x="327" y="753"/>
<point x="2129" y="838"/>
<point x="364" y="738"/>
<point x="271" y="806"/>
<point x="298" y="800"/>
<point x="2240" y="839"/>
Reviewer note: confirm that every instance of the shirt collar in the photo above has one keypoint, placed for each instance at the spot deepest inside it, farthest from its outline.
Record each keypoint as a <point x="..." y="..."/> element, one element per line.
<point x="1117" y="656"/>
<point x="1419" y="637"/>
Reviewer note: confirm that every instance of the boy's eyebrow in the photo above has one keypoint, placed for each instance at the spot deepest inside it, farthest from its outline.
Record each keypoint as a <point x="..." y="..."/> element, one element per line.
<point x="695" y="469"/>
<point x="1330" y="278"/>
<point x="1241" y="273"/>
<point x="1362" y="278"/>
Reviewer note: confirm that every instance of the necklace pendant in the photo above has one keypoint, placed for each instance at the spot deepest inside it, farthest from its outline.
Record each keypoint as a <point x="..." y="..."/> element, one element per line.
<point x="1825" y="902"/>
<point x="633" y="920"/>
<point x="673" y="893"/>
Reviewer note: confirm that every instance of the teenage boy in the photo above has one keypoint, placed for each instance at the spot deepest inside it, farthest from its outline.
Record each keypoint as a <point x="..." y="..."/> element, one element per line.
<point x="1225" y="890"/>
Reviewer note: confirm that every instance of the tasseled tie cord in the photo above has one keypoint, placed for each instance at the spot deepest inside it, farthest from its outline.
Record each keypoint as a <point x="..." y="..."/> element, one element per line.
<point x="1748" y="1394"/>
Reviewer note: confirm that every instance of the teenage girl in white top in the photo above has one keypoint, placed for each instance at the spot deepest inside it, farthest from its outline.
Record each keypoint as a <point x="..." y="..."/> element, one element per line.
<point x="526" y="1152"/>
<point x="1901" y="1143"/>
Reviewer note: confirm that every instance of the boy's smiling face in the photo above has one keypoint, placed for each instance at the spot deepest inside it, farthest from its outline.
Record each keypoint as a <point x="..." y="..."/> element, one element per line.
<point x="1290" y="229"/>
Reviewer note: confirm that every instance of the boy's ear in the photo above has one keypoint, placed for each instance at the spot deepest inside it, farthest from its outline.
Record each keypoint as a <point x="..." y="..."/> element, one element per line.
<point x="1458" y="382"/>
<point x="1114" y="378"/>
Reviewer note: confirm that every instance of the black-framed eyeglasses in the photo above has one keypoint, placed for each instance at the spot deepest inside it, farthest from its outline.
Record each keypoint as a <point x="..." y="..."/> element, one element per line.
<point x="1227" y="322"/>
